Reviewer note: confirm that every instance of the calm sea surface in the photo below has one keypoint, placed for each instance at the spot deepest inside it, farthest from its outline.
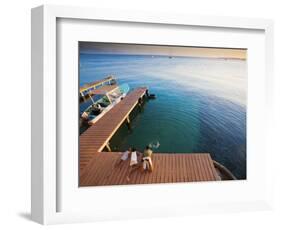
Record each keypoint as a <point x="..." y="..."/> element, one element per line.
<point x="200" y="105"/>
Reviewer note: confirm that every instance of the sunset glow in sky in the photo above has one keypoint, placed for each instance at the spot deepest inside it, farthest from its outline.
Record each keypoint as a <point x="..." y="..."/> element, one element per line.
<point x="134" y="49"/>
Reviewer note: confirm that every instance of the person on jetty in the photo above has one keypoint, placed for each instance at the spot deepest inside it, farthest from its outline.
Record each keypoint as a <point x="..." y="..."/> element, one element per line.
<point x="124" y="157"/>
<point x="140" y="161"/>
<point x="147" y="159"/>
<point x="135" y="162"/>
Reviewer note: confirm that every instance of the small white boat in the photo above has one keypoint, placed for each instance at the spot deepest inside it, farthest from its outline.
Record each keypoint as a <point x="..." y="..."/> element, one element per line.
<point x="103" y="100"/>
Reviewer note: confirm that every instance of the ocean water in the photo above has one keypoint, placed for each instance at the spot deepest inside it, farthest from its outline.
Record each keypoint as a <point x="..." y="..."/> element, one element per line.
<point x="200" y="105"/>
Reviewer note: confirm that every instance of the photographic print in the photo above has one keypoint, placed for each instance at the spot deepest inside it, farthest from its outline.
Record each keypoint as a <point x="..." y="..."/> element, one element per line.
<point x="161" y="114"/>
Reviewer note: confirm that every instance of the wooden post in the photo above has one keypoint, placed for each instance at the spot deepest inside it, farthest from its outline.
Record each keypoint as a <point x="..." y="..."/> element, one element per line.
<point x="128" y="123"/>
<point x="146" y="93"/>
<point x="140" y="102"/>
<point x="108" y="147"/>
<point x="83" y="96"/>
<point x="91" y="98"/>
<point x="108" y="98"/>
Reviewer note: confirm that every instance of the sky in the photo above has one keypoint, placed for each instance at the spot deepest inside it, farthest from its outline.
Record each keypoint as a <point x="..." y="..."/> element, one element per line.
<point x="136" y="49"/>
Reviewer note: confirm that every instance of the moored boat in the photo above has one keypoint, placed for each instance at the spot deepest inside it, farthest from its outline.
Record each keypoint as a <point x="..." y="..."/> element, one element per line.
<point x="223" y="172"/>
<point x="100" y="100"/>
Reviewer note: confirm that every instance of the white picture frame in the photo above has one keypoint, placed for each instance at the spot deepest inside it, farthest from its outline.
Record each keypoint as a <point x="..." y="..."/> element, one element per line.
<point x="45" y="181"/>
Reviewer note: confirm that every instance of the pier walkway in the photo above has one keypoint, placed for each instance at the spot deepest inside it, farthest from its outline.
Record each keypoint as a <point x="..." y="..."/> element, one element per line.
<point x="97" y="137"/>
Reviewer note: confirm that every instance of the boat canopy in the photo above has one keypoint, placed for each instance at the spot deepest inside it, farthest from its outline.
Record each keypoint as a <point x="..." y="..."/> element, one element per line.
<point x="85" y="89"/>
<point x="103" y="90"/>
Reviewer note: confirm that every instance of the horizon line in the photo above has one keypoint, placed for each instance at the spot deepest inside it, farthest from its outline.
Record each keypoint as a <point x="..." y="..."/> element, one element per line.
<point x="164" y="55"/>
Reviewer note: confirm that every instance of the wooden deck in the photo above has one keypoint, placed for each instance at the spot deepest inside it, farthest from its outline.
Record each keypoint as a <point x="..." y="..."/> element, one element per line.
<point x="168" y="168"/>
<point x="97" y="136"/>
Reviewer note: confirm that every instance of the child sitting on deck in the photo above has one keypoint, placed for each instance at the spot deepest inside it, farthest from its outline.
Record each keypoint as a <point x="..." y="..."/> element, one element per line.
<point x="125" y="155"/>
<point x="134" y="163"/>
<point x="147" y="159"/>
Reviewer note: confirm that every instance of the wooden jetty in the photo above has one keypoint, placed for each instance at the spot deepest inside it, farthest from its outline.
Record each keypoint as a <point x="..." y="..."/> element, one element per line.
<point x="97" y="167"/>
<point x="97" y="137"/>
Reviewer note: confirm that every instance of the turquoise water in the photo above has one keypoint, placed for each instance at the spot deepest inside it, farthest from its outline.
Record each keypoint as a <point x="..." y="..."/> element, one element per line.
<point x="200" y="105"/>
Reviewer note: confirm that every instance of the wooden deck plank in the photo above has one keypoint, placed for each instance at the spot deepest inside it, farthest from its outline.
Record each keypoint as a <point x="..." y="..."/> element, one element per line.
<point x="206" y="169"/>
<point x="123" y="174"/>
<point x="201" y="168"/>
<point x="173" y="171"/>
<point x="198" y="172"/>
<point x="195" y="171"/>
<point x="179" y="168"/>
<point x="168" y="170"/>
<point x="157" y="167"/>
<point x="114" y="168"/>
<point x="93" y="170"/>
<point x="187" y="176"/>
<point x="183" y="174"/>
<point x="104" y="171"/>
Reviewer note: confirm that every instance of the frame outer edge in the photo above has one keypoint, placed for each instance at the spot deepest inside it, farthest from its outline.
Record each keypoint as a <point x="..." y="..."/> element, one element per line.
<point x="271" y="105"/>
<point x="37" y="144"/>
<point x="43" y="95"/>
